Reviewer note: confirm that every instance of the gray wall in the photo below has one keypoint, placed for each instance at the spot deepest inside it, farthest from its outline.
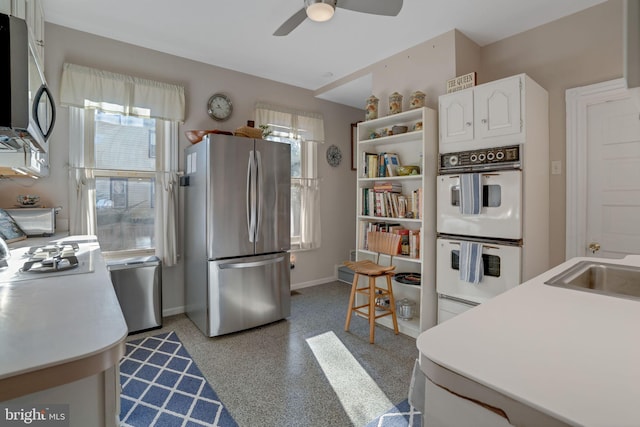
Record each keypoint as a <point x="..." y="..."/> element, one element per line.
<point x="200" y="82"/>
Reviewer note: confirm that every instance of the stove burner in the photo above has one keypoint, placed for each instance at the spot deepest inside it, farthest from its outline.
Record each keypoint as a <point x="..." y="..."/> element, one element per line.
<point x="51" y="258"/>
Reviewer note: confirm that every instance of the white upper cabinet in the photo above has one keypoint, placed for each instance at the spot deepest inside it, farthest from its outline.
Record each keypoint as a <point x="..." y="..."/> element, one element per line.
<point x="497" y="108"/>
<point x="5" y="7"/>
<point x="488" y="115"/>
<point x="456" y="116"/>
<point x="13" y="7"/>
<point x="34" y="16"/>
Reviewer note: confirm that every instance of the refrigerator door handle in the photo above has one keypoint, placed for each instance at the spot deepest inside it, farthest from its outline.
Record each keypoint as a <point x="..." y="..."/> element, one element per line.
<point x="251" y="264"/>
<point x="259" y="193"/>
<point x="251" y="198"/>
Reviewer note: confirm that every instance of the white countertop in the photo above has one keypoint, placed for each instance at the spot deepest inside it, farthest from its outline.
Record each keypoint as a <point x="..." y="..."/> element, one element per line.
<point x="570" y="354"/>
<point x="54" y="321"/>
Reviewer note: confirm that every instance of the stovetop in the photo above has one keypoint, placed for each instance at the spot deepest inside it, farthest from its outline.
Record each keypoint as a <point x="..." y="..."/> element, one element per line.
<point x="52" y="259"/>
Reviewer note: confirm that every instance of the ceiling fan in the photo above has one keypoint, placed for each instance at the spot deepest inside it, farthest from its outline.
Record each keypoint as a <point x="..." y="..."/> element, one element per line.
<point x="322" y="10"/>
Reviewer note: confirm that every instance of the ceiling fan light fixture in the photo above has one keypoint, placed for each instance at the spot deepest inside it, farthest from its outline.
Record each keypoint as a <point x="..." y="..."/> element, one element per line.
<point x="319" y="10"/>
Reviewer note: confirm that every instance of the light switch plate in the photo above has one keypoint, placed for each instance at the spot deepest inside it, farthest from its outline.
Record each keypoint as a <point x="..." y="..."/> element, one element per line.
<point x="556" y="167"/>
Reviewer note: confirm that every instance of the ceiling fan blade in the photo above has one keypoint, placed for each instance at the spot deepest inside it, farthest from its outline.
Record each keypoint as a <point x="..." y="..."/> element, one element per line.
<point x="376" y="7"/>
<point x="291" y="23"/>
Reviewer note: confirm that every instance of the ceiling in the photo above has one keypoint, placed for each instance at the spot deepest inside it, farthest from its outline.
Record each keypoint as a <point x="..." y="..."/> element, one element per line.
<point x="237" y="34"/>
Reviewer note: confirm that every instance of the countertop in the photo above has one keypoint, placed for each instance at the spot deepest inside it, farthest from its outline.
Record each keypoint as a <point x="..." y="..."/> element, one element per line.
<point x="570" y="354"/>
<point x="55" y="330"/>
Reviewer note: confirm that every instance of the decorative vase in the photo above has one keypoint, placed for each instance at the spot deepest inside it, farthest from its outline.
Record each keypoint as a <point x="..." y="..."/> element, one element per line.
<point x="395" y="103"/>
<point x="372" y="108"/>
<point x="417" y="100"/>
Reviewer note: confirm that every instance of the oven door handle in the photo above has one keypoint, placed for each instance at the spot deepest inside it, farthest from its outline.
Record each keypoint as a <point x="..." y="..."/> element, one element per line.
<point x="481" y="174"/>
<point x="483" y="245"/>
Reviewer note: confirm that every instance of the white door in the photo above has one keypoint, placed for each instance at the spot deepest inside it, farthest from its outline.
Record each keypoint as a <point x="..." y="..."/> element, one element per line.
<point x="613" y="179"/>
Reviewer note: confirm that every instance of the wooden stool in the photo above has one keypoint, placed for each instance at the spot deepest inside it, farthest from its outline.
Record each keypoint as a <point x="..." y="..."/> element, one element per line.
<point x="379" y="242"/>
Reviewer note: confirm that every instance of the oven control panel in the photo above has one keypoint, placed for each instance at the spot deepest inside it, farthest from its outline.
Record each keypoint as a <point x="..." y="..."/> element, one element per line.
<point x="488" y="158"/>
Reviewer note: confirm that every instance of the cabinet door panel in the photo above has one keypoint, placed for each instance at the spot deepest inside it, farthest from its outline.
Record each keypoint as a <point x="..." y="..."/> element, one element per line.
<point x="456" y="117"/>
<point x="497" y="108"/>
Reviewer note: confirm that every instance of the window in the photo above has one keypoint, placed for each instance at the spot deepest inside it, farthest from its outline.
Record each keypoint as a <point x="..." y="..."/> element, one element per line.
<point x="125" y="168"/>
<point x="123" y="158"/>
<point x="303" y="131"/>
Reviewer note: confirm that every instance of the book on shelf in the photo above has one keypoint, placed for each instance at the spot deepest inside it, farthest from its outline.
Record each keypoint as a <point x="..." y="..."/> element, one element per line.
<point x="409" y="245"/>
<point x="379" y="165"/>
<point x="394" y="187"/>
<point x="391" y="162"/>
<point x="385" y="199"/>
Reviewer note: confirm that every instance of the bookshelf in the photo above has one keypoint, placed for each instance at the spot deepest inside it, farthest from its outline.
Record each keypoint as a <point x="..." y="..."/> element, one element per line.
<point x="416" y="148"/>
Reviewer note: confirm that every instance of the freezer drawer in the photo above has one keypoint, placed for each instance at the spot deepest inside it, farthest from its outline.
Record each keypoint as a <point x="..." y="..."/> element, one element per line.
<point x="138" y="286"/>
<point x="248" y="292"/>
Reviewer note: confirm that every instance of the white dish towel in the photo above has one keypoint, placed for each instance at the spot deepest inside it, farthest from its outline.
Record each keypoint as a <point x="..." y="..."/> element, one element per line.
<point x="470" y="193"/>
<point x="470" y="262"/>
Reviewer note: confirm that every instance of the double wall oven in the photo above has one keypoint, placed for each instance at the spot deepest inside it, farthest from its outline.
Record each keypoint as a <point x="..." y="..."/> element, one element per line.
<point x="493" y="229"/>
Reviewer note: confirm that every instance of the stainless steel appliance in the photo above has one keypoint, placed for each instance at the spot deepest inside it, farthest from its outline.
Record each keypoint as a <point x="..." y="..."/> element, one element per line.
<point x="237" y="233"/>
<point x="138" y="286"/>
<point x="27" y="113"/>
<point x="58" y="258"/>
<point x="35" y="221"/>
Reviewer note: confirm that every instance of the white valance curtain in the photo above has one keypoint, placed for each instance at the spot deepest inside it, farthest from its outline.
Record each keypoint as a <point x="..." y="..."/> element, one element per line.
<point x="300" y="124"/>
<point x="84" y="90"/>
<point x="122" y="94"/>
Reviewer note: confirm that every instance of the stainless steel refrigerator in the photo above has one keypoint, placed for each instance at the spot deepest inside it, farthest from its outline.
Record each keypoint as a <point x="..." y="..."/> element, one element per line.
<point x="237" y="233"/>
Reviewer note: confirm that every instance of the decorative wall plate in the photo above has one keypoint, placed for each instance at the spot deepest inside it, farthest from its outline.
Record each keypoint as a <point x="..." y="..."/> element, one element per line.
<point x="334" y="155"/>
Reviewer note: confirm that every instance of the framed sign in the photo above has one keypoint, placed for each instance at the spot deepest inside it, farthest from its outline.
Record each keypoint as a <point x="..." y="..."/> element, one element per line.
<point x="461" y="82"/>
<point x="9" y="230"/>
<point x="354" y="146"/>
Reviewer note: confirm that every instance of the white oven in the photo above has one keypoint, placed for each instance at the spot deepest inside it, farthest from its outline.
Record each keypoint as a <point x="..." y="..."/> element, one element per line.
<point x="500" y="212"/>
<point x="500" y="263"/>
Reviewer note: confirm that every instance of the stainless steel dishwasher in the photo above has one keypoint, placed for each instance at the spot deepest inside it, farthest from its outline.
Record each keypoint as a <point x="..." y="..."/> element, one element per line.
<point x="138" y="285"/>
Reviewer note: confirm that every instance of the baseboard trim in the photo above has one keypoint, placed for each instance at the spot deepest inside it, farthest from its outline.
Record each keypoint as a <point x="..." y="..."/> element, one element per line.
<point x="295" y="286"/>
<point x="173" y="311"/>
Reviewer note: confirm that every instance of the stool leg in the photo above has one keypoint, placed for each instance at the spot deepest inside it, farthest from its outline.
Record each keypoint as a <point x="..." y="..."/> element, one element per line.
<point x="352" y="297"/>
<point x="392" y="303"/>
<point x="372" y="308"/>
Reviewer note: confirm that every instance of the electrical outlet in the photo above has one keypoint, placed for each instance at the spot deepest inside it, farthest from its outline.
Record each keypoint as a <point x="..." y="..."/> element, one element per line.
<point x="556" y="167"/>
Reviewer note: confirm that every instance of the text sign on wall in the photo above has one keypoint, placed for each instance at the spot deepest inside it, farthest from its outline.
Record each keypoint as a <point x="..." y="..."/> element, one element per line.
<point x="461" y="82"/>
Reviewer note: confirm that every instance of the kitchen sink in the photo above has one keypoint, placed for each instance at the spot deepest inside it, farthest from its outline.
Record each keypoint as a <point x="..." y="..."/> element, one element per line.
<point x="608" y="279"/>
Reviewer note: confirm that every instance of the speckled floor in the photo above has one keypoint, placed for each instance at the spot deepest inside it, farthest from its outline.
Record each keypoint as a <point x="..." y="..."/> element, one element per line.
<point x="269" y="376"/>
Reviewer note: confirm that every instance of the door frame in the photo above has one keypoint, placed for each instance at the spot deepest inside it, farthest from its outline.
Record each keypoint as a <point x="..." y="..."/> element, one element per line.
<point x="578" y="101"/>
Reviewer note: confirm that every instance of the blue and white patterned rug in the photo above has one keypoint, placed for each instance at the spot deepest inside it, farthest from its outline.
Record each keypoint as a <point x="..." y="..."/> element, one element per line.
<point x="162" y="386"/>
<point x="401" y="415"/>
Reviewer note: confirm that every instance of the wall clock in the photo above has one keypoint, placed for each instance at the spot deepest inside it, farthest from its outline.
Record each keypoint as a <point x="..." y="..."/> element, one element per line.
<point x="219" y="107"/>
<point x="334" y="156"/>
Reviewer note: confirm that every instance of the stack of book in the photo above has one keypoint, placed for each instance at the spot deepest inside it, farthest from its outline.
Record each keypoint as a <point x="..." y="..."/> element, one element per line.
<point x="385" y="200"/>
<point x="376" y="165"/>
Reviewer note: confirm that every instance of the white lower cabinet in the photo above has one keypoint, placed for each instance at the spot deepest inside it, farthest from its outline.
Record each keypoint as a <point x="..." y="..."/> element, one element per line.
<point x="445" y="409"/>
<point x="93" y="401"/>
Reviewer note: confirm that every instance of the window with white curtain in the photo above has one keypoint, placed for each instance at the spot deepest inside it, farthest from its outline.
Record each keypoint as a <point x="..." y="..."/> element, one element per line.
<point x="303" y="131"/>
<point x="123" y="160"/>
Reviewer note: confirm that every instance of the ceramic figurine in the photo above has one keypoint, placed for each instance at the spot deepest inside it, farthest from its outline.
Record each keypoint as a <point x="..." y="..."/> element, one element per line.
<point x="395" y="103"/>
<point x="372" y="108"/>
<point x="417" y="99"/>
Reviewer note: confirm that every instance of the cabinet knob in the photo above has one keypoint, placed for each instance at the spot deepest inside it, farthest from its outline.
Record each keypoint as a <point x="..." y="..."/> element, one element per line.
<point x="484" y="121"/>
<point x="468" y="124"/>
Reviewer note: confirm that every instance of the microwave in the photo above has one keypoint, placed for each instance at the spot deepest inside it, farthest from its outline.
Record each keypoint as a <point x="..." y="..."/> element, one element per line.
<point x="27" y="113"/>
